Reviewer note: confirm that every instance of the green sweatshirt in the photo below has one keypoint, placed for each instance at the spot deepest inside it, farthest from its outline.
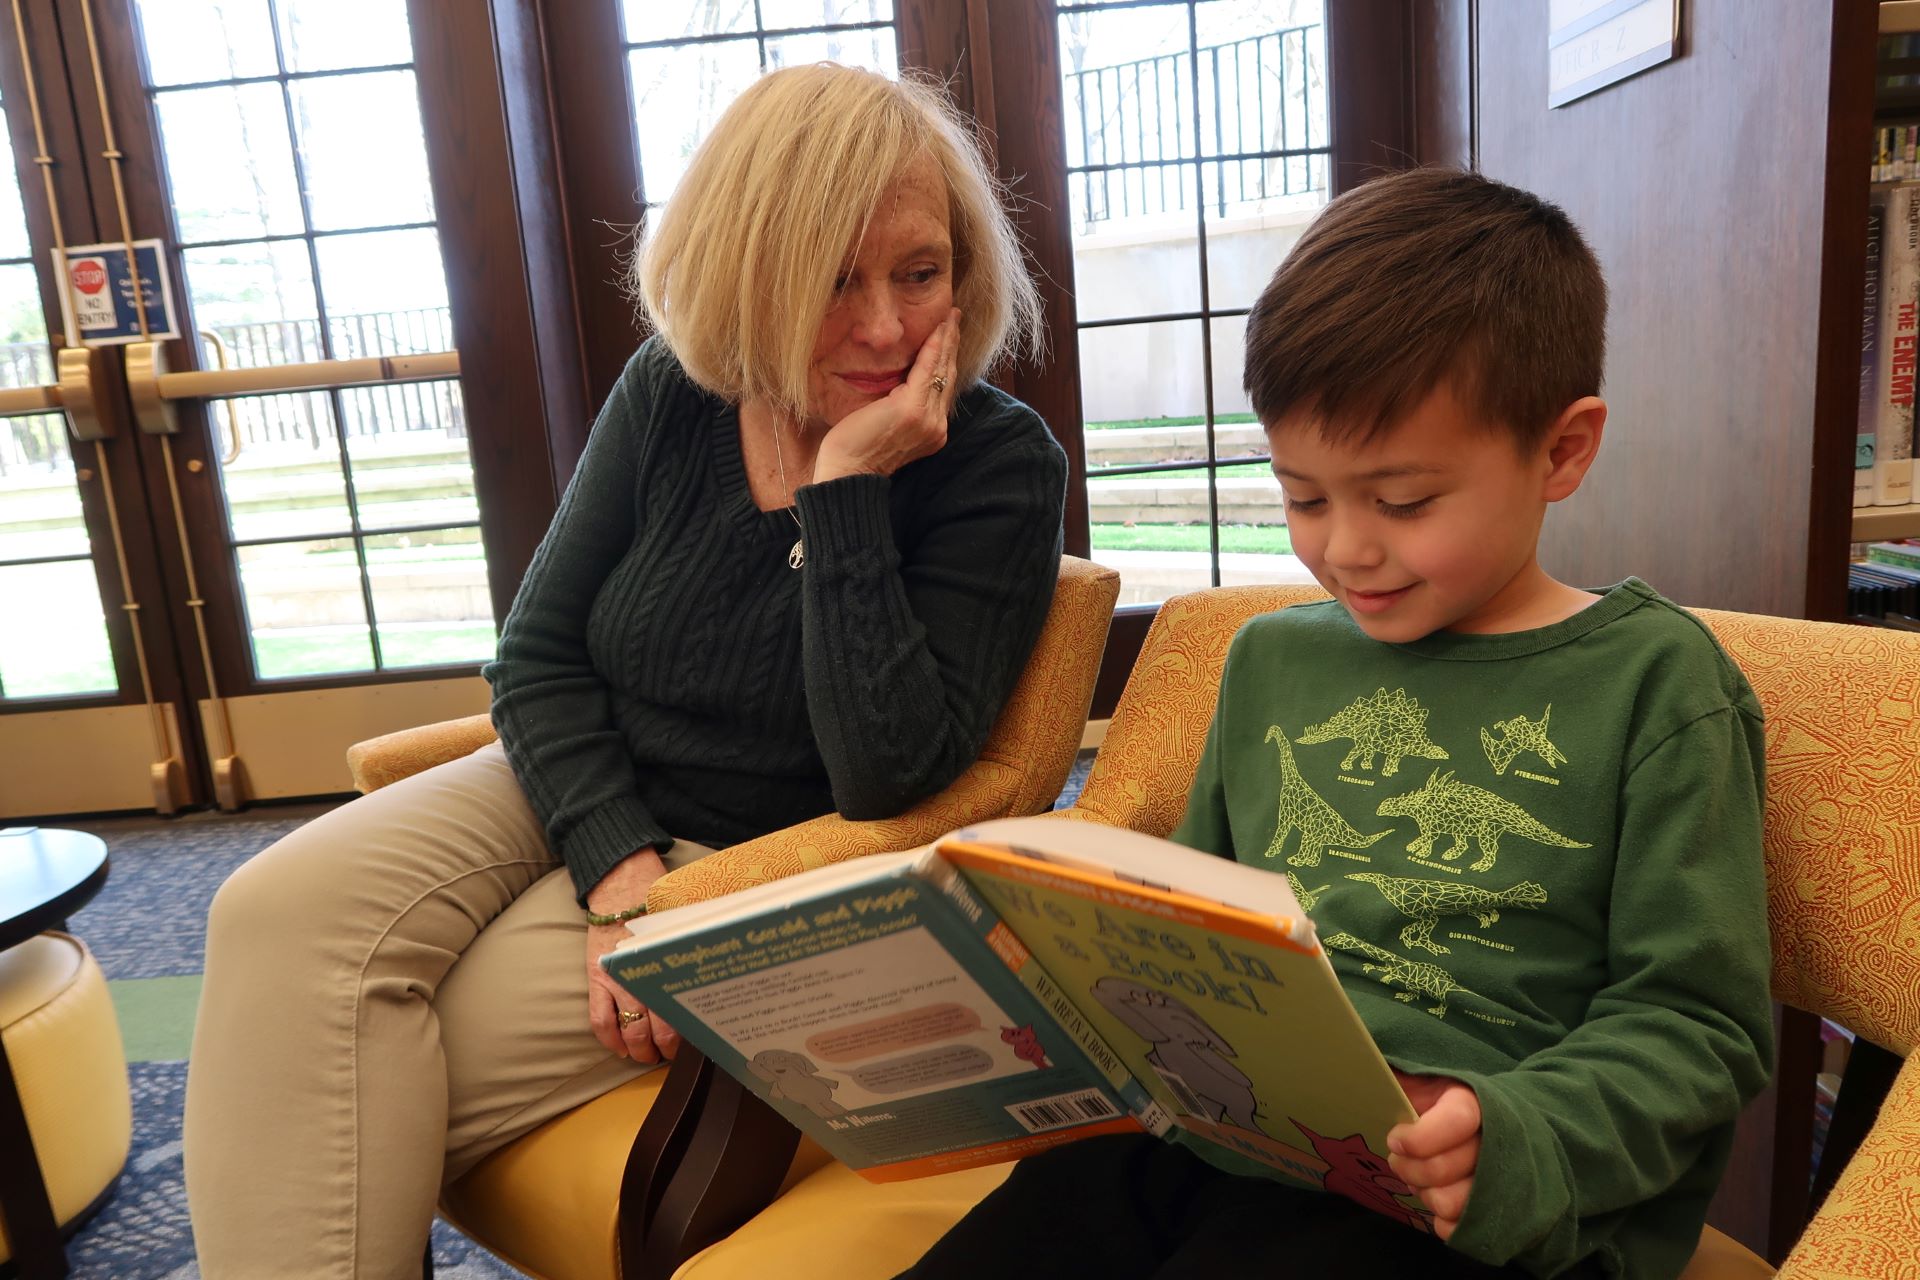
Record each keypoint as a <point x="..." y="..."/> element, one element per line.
<point x="1534" y="860"/>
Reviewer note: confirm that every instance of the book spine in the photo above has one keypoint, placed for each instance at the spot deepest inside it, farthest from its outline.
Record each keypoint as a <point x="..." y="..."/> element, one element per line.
<point x="1905" y="557"/>
<point x="1899" y="328"/>
<point x="1035" y="978"/>
<point x="1870" y="354"/>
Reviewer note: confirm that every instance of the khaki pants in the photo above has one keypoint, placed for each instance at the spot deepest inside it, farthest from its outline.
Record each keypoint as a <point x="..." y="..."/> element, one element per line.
<point x="392" y="991"/>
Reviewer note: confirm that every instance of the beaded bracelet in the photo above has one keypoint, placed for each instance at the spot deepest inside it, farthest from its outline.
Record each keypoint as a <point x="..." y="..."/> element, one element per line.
<point x="618" y="917"/>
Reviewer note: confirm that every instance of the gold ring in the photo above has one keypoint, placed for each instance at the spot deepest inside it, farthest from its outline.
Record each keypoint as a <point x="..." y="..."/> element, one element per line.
<point x="629" y="1017"/>
<point x="939" y="382"/>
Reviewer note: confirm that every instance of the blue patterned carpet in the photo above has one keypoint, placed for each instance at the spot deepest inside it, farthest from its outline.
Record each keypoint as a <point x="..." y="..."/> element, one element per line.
<point x="148" y="929"/>
<point x="148" y="924"/>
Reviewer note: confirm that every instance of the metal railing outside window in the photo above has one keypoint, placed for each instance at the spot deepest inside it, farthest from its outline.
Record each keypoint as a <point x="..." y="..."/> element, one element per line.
<point x="1132" y="125"/>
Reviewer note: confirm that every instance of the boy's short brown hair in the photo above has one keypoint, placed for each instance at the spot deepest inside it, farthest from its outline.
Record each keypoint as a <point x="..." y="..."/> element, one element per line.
<point x="1419" y="277"/>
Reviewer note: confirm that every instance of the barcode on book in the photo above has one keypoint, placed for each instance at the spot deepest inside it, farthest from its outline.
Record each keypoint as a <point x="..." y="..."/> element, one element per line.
<point x="1063" y="1109"/>
<point x="1189" y="1101"/>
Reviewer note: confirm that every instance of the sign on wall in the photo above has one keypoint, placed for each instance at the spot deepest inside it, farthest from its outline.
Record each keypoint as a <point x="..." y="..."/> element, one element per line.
<point x="97" y="294"/>
<point x="1594" y="43"/>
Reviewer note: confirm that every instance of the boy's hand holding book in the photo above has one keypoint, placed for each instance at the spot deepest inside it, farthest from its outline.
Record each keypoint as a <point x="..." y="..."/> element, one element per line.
<point x="1436" y="1155"/>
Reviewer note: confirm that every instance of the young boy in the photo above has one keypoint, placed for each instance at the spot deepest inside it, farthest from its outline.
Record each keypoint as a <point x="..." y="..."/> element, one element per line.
<point x="1552" y="915"/>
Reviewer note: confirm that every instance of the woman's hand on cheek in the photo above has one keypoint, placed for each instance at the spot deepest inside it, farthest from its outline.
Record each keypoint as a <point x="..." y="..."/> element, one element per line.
<point x="909" y="422"/>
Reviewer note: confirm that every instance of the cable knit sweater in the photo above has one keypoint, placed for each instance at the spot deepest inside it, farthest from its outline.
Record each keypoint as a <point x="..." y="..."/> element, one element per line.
<point x="664" y="672"/>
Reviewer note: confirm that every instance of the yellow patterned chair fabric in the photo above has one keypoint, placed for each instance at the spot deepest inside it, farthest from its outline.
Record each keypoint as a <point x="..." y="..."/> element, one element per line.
<point x="548" y="1202"/>
<point x="1843" y="861"/>
<point x="382" y="761"/>
<point x="1843" y="896"/>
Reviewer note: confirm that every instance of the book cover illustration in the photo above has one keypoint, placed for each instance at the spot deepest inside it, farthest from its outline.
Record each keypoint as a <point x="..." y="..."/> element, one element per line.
<point x="1233" y="1020"/>
<point x="877" y="1017"/>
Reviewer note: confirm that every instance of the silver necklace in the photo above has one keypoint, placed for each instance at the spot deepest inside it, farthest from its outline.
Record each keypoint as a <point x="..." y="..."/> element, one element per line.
<point x="797" y="557"/>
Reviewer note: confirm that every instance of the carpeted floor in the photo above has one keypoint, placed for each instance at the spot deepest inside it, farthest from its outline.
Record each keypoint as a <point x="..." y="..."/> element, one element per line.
<point x="148" y="929"/>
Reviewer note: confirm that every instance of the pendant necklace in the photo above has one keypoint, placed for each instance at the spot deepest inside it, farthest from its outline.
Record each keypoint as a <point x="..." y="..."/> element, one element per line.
<point x="797" y="557"/>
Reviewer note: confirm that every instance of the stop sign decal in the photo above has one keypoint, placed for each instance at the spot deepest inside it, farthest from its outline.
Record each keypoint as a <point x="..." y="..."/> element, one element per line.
<point x="89" y="276"/>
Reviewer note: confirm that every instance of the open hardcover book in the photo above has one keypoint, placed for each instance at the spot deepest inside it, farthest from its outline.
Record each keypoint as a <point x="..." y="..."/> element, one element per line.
<point x="1025" y="983"/>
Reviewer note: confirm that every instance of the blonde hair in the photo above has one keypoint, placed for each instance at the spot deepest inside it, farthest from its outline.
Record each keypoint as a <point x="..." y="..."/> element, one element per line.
<point x="737" y="271"/>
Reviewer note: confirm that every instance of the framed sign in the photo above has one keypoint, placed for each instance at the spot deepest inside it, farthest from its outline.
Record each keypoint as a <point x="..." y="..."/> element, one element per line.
<point x="1594" y="43"/>
<point x="97" y="293"/>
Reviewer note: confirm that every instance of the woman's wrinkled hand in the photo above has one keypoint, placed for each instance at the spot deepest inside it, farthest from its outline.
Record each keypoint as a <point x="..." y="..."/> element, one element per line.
<point x="646" y="1038"/>
<point x="908" y="423"/>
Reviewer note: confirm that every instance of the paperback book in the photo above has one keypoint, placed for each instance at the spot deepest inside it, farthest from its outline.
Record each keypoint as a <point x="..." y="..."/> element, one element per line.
<point x="1026" y="983"/>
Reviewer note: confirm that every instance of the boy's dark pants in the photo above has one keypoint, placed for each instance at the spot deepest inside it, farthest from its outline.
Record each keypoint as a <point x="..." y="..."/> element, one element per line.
<point x="1132" y="1206"/>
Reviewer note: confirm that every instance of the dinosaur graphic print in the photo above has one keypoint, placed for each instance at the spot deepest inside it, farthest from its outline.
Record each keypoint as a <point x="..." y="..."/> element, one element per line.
<point x="1391" y="726"/>
<point x="1445" y="806"/>
<point x="1426" y="901"/>
<point x="1304" y="896"/>
<point x="1415" y="978"/>
<point x="1518" y="736"/>
<point x="1302" y="809"/>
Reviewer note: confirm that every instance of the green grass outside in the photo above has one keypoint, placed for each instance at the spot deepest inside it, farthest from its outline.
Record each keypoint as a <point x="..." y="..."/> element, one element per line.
<point x="55" y="669"/>
<point x="418" y="553"/>
<point x="1271" y="540"/>
<point x="1220" y="420"/>
<point x="280" y="656"/>
<point x="52" y="671"/>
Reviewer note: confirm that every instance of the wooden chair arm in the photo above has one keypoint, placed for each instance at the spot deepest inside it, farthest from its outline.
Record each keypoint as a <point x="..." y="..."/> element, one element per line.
<point x="1871" y="1219"/>
<point x="977" y="795"/>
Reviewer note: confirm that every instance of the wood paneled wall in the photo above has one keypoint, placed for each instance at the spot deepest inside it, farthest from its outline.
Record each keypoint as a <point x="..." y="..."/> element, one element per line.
<point x="1723" y="193"/>
<point x="1702" y="186"/>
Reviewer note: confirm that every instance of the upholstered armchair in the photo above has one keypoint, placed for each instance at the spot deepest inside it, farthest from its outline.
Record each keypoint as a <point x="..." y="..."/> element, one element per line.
<point x="1843" y="860"/>
<point x="570" y="1200"/>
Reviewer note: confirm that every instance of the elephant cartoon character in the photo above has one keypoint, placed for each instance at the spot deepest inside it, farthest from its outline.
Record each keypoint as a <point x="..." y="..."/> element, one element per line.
<point x="1184" y="1046"/>
<point x="795" y="1079"/>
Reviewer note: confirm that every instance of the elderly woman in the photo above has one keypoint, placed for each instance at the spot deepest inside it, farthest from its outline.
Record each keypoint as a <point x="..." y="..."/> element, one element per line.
<point x="802" y="562"/>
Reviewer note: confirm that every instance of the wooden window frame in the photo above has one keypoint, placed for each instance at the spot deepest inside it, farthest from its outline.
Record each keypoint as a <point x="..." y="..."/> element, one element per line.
<point x="1001" y="60"/>
<point x="146" y="567"/>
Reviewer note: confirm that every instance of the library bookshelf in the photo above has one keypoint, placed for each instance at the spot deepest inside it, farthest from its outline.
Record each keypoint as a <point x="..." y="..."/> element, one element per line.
<point x="1896" y="102"/>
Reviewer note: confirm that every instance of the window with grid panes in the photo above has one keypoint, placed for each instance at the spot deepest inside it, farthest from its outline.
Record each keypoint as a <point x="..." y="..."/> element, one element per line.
<point x="44" y="555"/>
<point x="296" y="168"/>
<point x="688" y="59"/>
<point x="1197" y="148"/>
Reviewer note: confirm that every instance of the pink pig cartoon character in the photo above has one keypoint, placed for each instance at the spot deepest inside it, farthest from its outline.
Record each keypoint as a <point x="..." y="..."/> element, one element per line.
<point x="1357" y="1173"/>
<point x="1026" y="1045"/>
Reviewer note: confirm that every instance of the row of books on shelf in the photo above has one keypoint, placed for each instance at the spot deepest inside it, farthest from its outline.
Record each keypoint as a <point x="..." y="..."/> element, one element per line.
<point x="1896" y="153"/>
<point x="1886" y="585"/>
<point x="1889" y="344"/>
